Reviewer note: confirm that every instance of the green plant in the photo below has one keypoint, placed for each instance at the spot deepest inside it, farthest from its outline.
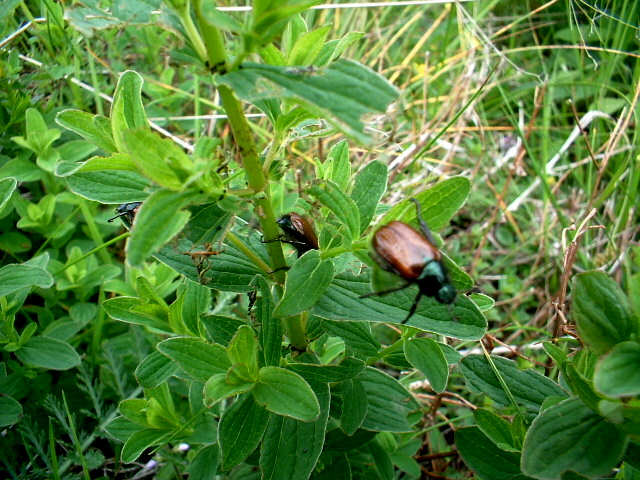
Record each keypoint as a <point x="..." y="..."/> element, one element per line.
<point x="248" y="391"/>
<point x="263" y="363"/>
<point x="579" y="427"/>
<point x="284" y="394"/>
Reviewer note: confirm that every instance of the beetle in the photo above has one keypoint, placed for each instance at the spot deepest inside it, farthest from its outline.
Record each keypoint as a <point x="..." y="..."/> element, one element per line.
<point x="297" y="232"/>
<point x="413" y="256"/>
<point x="127" y="212"/>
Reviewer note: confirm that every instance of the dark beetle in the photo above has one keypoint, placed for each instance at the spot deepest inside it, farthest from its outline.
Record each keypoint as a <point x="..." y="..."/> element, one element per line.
<point x="400" y="249"/>
<point x="127" y="212"/>
<point x="298" y="232"/>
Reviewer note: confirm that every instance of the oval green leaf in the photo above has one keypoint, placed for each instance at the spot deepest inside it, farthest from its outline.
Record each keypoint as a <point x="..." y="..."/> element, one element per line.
<point x="286" y="393"/>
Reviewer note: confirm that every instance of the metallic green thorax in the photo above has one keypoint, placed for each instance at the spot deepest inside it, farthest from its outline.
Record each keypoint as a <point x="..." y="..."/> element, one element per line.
<point x="434" y="282"/>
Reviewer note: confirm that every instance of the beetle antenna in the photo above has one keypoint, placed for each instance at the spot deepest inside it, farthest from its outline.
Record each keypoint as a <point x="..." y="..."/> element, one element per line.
<point x="423" y="225"/>
<point x="117" y="216"/>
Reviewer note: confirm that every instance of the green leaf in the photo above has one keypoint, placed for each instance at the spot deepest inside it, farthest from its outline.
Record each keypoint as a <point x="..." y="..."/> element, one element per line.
<point x="528" y="387"/>
<point x="40" y="138"/>
<point x="484" y="302"/>
<point x="159" y="159"/>
<point x="380" y="462"/>
<point x="121" y="429"/>
<point x="618" y="373"/>
<point x="158" y="221"/>
<point x="7" y="8"/>
<point x="334" y="48"/>
<point x="219" y="19"/>
<point x="128" y="310"/>
<point x="14" y="277"/>
<point x="46" y="352"/>
<point x="115" y="161"/>
<point x="581" y="386"/>
<point x="337" y="441"/>
<point x="205" y="462"/>
<point x="291" y="448"/>
<point x="426" y="355"/>
<point x="357" y="336"/>
<point x="342" y="302"/>
<point x="243" y="350"/>
<point x="347" y="369"/>
<point x="569" y="436"/>
<point x="286" y="393"/>
<point x="232" y="270"/>
<point x="94" y="128"/>
<point x="345" y="210"/>
<point x="269" y="18"/>
<point x="307" y="281"/>
<point x="308" y="46"/>
<point x="111" y="186"/>
<point x="558" y="356"/>
<point x="197" y="299"/>
<point x="272" y="330"/>
<point x="221" y="329"/>
<point x="439" y="203"/>
<point x="154" y="369"/>
<point x="337" y="165"/>
<point x="196" y="357"/>
<point x="343" y="92"/>
<point x="452" y="355"/>
<point x="354" y="406"/>
<point x="495" y="428"/>
<point x="601" y="312"/>
<point x="371" y="183"/>
<point x="7" y="187"/>
<point x="218" y="388"/>
<point x="486" y="460"/>
<point x="10" y="411"/>
<point x="179" y="261"/>
<point x="241" y="429"/>
<point x="388" y="402"/>
<point x="140" y="441"/>
<point x="127" y="111"/>
<point x="22" y="170"/>
<point x="135" y="410"/>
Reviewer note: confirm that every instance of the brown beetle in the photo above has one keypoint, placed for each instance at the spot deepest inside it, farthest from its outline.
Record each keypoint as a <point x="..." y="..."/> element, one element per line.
<point x="412" y="255"/>
<point x="298" y="232"/>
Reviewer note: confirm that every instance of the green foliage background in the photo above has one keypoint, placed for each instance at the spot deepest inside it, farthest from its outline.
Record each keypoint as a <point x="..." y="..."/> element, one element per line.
<point x="189" y="341"/>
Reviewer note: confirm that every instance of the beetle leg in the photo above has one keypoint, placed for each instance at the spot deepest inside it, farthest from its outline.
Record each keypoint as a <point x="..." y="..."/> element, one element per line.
<point x="413" y="308"/>
<point x="423" y="225"/>
<point x="283" y="239"/>
<point x="279" y="269"/>
<point x="278" y="239"/>
<point x="452" y="313"/>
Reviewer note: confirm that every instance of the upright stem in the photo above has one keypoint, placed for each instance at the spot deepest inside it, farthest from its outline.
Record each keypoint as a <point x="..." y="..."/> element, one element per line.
<point x="263" y="206"/>
<point x="255" y="176"/>
<point x="256" y="179"/>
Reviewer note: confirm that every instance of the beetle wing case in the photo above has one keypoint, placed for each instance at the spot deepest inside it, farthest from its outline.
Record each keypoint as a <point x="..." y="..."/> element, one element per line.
<point x="298" y="232"/>
<point x="304" y="228"/>
<point x="403" y="250"/>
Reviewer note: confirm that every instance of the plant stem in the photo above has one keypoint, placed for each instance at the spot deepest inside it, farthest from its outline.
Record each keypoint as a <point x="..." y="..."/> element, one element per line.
<point x="255" y="176"/>
<point x="263" y="206"/>
<point x="213" y="40"/>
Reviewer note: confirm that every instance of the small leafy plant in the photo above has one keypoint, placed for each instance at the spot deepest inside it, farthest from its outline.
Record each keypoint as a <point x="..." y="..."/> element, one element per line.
<point x="578" y="427"/>
<point x="215" y="337"/>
